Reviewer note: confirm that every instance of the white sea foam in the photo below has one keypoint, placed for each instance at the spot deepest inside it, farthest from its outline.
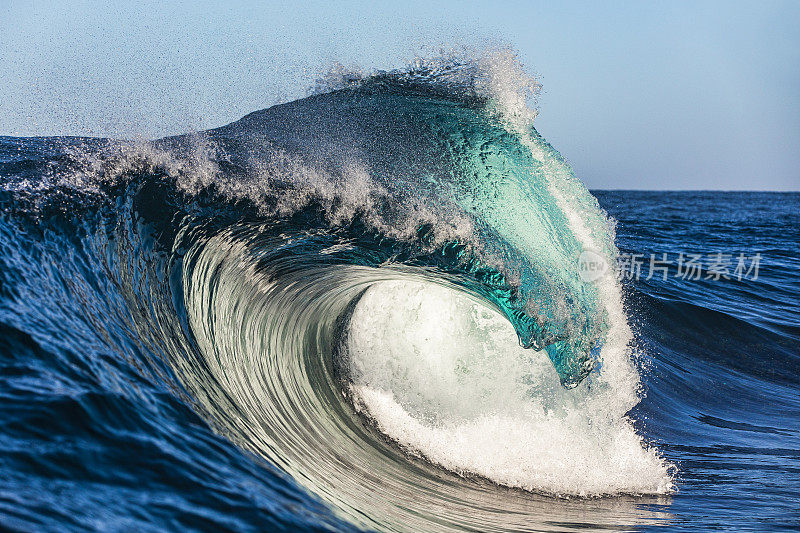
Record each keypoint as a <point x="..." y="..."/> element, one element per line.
<point x="444" y="376"/>
<point x="276" y="182"/>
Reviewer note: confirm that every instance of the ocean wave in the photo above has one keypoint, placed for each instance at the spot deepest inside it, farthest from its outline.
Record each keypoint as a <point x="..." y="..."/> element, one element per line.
<point x="378" y="282"/>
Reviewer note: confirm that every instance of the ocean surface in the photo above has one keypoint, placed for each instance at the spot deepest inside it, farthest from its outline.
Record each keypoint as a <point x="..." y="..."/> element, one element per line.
<point x="389" y="306"/>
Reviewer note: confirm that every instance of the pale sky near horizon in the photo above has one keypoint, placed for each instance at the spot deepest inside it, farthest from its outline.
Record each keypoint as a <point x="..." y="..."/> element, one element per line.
<point x="640" y="95"/>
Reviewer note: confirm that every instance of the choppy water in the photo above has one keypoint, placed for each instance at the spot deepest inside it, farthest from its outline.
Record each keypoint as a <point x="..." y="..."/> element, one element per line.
<point x="365" y="309"/>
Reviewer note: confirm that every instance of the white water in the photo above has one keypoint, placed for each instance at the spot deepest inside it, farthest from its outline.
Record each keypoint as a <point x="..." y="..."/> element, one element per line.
<point x="444" y="376"/>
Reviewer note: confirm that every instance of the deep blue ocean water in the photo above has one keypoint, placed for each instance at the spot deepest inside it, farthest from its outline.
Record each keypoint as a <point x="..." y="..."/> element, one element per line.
<point x="722" y="391"/>
<point x="139" y="294"/>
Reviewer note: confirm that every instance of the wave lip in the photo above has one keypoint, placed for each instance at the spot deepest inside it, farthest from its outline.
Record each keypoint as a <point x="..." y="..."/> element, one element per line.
<point x="445" y="152"/>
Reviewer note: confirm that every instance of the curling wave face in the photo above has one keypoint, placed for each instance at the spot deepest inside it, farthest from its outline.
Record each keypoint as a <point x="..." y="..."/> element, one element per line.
<point x="376" y="286"/>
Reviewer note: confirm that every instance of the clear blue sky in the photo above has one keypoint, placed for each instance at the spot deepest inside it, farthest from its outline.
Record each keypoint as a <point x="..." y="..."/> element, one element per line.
<point x="661" y="95"/>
